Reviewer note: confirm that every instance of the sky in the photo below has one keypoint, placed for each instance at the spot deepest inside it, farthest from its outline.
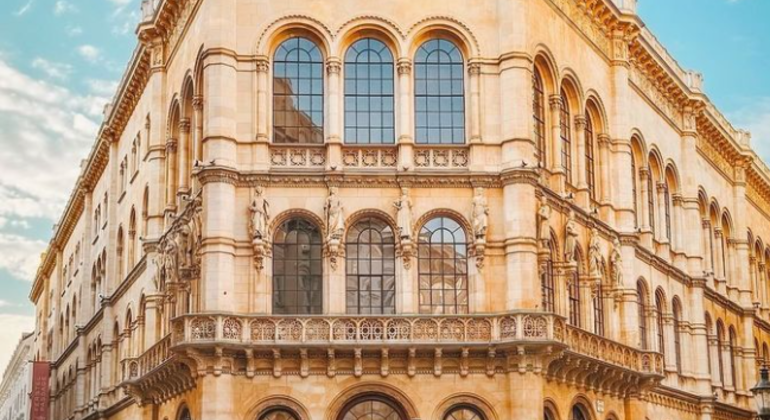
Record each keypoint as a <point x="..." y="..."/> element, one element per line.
<point x="60" y="61"/>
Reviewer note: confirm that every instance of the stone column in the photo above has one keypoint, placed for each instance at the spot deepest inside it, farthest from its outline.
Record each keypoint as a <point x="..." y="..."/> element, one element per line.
<point x="690" y="206"/>
<point x="579" y="136"/>
<point x="262" y="147"/>
<point x="171" y="171"/>
<point x="405" y="127"/>
<point x="628" y="296"/>
<point x="700" y="340"/>
<point x="474" y="78"/>
<point x="605" y="186"/>
<point x="334" y="139"/>
<point x="558" y="181"/>
<point x="196" y="151"/>
<point x="184" y="152"/>
<point x="708" y="240"/>
<point x="647" y="236"/>
<point x="519" y="209"/>
<point x="588" y="287"/>
<point x="670" y="343"/>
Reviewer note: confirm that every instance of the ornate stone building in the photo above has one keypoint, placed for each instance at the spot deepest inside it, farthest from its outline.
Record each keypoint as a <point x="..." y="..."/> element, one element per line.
<point x="358" y="209"/>
<point x="16" y="384"/>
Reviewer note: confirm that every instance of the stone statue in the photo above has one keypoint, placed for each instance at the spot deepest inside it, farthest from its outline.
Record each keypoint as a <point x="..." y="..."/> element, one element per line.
<point x="480" y="213"/>
<point x="570" y="237"/>
<point x="543" y="226"/>
<point x="616" y="263"/>
<point x="185" y="245"/>
<point x="170" y="262"/>
<point x="594" y="254"/>
<point x="260" y="215"/>
<point x="404" y="214"/>
<point x="335" y="217"/>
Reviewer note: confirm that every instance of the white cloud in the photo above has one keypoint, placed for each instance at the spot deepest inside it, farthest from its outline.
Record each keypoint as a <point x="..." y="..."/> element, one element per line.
<point x="90" y="53"/>
<point x="24" y="9"/>
<point x="63" y="6"/>
<point x="47" y="130"/>
<point x="73" y="31"/>
<point x="13" y="327"/>
<point x="755" y="117"/>
<point x="103" y="87"/>
<point x="20" y="256"/>
<point x="54" y="70"/>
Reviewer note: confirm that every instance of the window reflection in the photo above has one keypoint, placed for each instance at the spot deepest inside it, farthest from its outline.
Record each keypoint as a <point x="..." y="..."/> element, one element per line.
<point x="278" y="415"/>
<point x="369" y="93"/>
<point x="298" y="92"/>
<point x="443" y="267"/>
<point x="297" y="268"/>
<point x="463" y="413"/>
<point x="439" y="93"/>
<point x="371" y="410"/>
<point x="371" y="274"/>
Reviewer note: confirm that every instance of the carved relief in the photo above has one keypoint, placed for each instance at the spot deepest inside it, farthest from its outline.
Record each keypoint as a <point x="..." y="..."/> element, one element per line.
<point x="480" y="221"/>
<point x="334" y="213"/>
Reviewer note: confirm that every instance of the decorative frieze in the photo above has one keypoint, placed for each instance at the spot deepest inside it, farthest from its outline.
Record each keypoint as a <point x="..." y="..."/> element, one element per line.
<point x="441" y="158"/>
<point x="360" y="157"/>
<point x="298" y="157"/>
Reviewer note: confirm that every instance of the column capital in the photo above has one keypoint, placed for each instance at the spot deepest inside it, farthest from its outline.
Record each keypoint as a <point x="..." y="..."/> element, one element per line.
<point x="404" y="66"/>
<point x="474" y="69"/>
<point x="333" y="65"/>
<point x="197" y="102"/>
<point x="580" y="122"/>
<point x="263" y="64"/>
<point x="604" y="139"/>
<point x="555" y="102"/>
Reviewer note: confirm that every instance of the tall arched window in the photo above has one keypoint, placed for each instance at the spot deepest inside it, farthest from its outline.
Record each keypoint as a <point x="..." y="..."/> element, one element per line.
<point x="372" y="408"/>
<point x="538" y="115"/>
<point x="590" y="168"/>
<point x="598" y="305"/>
<point x="732" y="349"/>
<point x="297" y="268"/>
<point x="720" y="346"/>
<point x="546" y="281"/>
<point x="185" y="414"/>
<point x="578" y="413"/>
<point x="439" y="93"/>
<point x="677" y="306"/>
<point x="667" y="209"/>
<point x="463" y="412"/>
<point x="565" y="131"/>
<point x="709" y="334"/>
<point x="573" y="290"/>
<point x="120" y="250"/>
<point x="641" y="298"/>
<point x="635" y="188"/>
<point x="132" y="240"/>
<point x="651" y="199"/>
<point x="278" y="414"/>
<point x="659" y="309"/>
<point x="298" y="91"/>
<point x="371" y="268"/>
<point x="443" y="267"/>
<point x="369" y="117"/>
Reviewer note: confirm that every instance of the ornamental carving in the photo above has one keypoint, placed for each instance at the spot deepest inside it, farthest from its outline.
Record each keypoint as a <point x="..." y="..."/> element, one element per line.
<point x="259" y="222"/>
<point x="178" y="259"/>
<point x="403" y="208"/>
<point x="650" y="90"/>
<point x="480" y="222"/>
<point x="585" y="23"/>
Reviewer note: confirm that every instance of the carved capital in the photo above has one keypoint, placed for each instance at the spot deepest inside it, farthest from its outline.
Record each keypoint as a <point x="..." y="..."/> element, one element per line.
<point x="580" y="122"/>
<point x="333" y="66"/>
<point x="263" y="65"/>
<point x="184" y="125"/>
<point x="474" y="69"/>
<point x="604" y="139"/>
<point x="555" y="102"/>
<point x="197" y="102"/>
<point x="404" y="66"/>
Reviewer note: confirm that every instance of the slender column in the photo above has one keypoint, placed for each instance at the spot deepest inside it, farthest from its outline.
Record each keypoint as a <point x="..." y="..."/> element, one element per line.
<point x="700" y="340"/>
<point x="406" y="132"/>
<point x="334" y="139"/>
<point x="184" y="151"/>
<point x="171" y="171"/>
<point x="474" y="76"/>
<point x="644" y="223"/>
<point x="579" y="137"/>
<point x="605" y="185"/>
<point x="261" y="155"/>
<point x="689" y="188"/>
<point x="668" y="338"/>
<point x="196" y="151"/>
<point x="619" y="129"/>
<point x="558" y="181"/>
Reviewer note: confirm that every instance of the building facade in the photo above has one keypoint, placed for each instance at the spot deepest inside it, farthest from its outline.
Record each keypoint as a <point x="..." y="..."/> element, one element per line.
<point x="523" y="209"/>
<point x="17" y="380"/>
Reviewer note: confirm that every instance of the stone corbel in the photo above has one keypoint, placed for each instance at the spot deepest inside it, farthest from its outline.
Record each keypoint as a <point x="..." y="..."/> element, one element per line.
<point x="411" y="362"/>
<point x="384" y="363"/>
<point x="479" y="248"/>
<point x="260" y="251"/>
<point x="277" y="363"/>
<point x="407" y="252"/>
<point x="491" y="362"/>
<point x="358" y="363"/>
<point x="437" y="362"/>
<point x="464" y="362"/>
<point x="333" y="251"/>
<point x="331" y="364"/>
<point x="304" y="364"/>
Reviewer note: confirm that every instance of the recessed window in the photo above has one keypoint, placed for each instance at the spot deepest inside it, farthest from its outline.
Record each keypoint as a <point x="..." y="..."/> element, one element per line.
<point x="370" y="285"/>
<point x="439" y="93"/>
<point x="369" y="116"/>
<point x="443" y="267"/>
<point x="297" y="268"/>
<point x="298" y="92"/>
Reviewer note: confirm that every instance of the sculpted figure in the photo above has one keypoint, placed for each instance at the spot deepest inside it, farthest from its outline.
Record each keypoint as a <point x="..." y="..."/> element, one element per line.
<point x="570" y="237"/>
<point x="594" y="254"/>
<point x="616" y="263"/>
<point x="260" y="214"/>
<point x="185" y="245"/>
<point x="404" y="214"/>
<point x="335" y="217"/>
<point x="480" y="213"/>
<point x="543" y="217"/>
<point x="170" y="265"/>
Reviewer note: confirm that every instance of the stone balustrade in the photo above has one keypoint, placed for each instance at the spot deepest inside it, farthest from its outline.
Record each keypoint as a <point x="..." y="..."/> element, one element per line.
<point x="135" y="367"/>
<point x="596" y="347"/>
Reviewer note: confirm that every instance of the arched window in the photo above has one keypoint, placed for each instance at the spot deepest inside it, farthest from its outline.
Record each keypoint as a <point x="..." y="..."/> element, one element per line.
<point x="443" y="267"/>
<point x="463" y="412"/>
<point x="651" y="199"/>
<point x="573" y="290"/>
<point x="677" y="306"/>
<point x="369" y="117"/>
<point x="298" y="91"/>
<point x="765" y="353"/>
<point x="278" y="414"/>
<point x="641" y="298"/>
<point x="709" y="334"/>
<point x="579" y="412"/>
<point x="732" y="349"/>
<point x="538" y="115"/>
<point x="132" y="239"/>
<point x="598" y="305"/>
<point x="372" y="408"/>
<point x="566" y="136"/>
<point x="659" y="309"/>
<point x="185" y="414"/>
<point x="548" y="414"/>
<point x="546" y="281"/>
<point x="590" y="169"/>
<point x="145" y="211"/>
<point x="120" y="248"/>
<point x="720" y="346"/>
<point x="634" y="190"/>
<point x="297" y="268"/>
<point x="439" y="93"/>
<point x="667" y="208"/>
<point x="371" y="268"/>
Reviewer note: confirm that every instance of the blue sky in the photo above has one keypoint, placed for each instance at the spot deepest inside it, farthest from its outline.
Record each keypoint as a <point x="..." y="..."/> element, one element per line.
<point x="60" y="61"/>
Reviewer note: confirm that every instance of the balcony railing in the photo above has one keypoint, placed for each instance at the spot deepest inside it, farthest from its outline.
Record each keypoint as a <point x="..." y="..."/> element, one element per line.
<point x="596" y="347"/>
<point x="137" y="367"/>
<point x="379" y="330"/>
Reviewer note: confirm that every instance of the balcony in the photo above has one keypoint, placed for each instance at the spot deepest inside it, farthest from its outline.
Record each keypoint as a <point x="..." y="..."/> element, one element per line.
<point x="251" y="345"/>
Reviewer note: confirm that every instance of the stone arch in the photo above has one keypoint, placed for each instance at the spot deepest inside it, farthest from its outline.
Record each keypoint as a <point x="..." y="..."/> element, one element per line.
<point x="291" y="26"/>
<point x="570" y="85"/>
<point x="639" y="148"/>
<point x="380" y="389"/>
<point x="473" y="401"/>
<point x="376" y="27"/>
<point x="443" y="27"/>
<point x="584" y="405"/>
<point x="545" y="63"/>
<point x="551" y="408"/>
<point x="277" y="402"/>
<point x="443" y="212"/>
<point x="365" y="213"/>
<point x="594" y="106"/>
<point x="308" y="215"/>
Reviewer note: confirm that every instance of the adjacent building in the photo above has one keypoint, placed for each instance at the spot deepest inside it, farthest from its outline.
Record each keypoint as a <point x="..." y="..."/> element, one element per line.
<point x="16" y="383"/>
<point x="359" y="209"/>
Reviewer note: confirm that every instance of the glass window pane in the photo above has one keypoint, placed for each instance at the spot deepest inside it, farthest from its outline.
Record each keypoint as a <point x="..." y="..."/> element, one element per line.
<point x="443" y="283"/>
<point x="298" y="89"/>
<point x="374" y="255"/>
<point x="295" y="244"/>
<point x="369" y="80"/>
